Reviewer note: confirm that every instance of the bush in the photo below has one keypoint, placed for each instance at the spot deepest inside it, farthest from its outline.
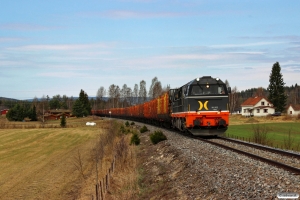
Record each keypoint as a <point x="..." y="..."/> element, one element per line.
<point x="157" y="136"/>
<point x="124" y="130"/>
<point x="135" y="139"/>
<point x="260" y="134"/>
<point x="132" y="123"/>
<point x="143" y="129"/>
<point x="126" y="123"/>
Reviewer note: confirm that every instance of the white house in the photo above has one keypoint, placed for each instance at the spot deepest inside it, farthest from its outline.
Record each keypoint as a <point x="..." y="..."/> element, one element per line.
<point x="293" y="109"/>
<point x="257" y="106"/>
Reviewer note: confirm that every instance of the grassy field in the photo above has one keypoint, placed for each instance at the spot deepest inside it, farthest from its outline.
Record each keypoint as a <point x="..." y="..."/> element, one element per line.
<point x="279" y="130"/>
<point x="44" y="161"/>
<point x="40" y="163"/>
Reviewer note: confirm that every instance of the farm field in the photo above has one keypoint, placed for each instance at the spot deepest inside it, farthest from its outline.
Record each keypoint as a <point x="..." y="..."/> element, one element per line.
<point x="278" y="129"/>
<point x="42" y="163"/>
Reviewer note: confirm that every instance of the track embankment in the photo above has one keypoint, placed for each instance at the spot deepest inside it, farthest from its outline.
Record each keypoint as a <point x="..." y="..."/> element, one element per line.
<point x="185" y="168"/>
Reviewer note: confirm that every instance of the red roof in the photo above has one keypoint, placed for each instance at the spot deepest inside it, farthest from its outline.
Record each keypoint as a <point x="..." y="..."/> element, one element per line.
<point x="295" y="107"/>
<point x="252" y="101"/>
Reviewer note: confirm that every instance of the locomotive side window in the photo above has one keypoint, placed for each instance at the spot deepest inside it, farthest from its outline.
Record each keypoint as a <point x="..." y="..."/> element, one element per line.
<point x="206" y="90"/>
<point x="221" y="89"/>
<point x="196" y="90"/>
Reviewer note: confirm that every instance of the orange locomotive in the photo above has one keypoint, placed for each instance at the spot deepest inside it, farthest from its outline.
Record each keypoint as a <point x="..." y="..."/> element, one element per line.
<point x="199" y="107"/>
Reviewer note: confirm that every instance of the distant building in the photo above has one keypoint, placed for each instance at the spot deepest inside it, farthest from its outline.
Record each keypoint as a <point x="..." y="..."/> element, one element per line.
<point x="257" y="106"/>
<point x="293" y="109"/>
<point x="4" y="111"/>
<point x="56" y="114"/>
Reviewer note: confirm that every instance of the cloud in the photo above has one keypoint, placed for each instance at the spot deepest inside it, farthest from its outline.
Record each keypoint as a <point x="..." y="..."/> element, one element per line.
<point x="10" y="39"/>
<point x="128" y="14"/>
<point x="61" y="47"/>
<point x="26" y="27"/>
<point x="281" y="37"/>
<point x="245" y="45"/>
<point x="69" y="74"/>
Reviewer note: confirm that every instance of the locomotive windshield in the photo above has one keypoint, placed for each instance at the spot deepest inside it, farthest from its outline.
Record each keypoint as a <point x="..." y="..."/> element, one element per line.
<point x="207" y="90"/>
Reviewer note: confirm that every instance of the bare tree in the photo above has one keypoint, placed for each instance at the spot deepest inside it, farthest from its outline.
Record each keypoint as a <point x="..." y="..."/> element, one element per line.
<point x="227" y="83"/>
<point x="100" y="94"/>
<point x="123" y="95"/>
<point x="112" y="94"/>
<point x="128" y="96"/>
<point x="259" y="92"/>
<point x="142" y="92"/>
<point x="155" y="88"/>
<point x="165" y="89"/>
<point x="233" y="99"/>
<point x="150" y="93"/>
<point x="135" y="93"/>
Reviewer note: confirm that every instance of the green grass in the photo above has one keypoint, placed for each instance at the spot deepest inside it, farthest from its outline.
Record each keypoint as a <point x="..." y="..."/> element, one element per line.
<point x="278" y="132"/>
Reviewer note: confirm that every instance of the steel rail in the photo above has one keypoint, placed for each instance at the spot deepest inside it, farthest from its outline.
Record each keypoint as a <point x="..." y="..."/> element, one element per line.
<point x="285" y="153"/>
<point x="291" y="169"/>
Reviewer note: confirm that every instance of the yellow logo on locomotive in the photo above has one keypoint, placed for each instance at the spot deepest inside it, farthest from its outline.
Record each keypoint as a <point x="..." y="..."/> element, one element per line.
<point x="201" y="105"/>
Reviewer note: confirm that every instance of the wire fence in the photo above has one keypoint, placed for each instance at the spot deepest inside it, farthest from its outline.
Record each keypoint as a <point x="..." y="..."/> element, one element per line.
<point x="103" y="185"/>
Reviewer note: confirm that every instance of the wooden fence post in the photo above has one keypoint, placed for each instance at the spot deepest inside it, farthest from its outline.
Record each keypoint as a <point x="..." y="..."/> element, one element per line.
<point x="97" y="193"/>
<point x="101" y="191"/>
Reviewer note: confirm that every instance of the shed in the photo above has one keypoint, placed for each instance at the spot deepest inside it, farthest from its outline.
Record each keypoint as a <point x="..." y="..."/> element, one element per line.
<point x="293" y="109"/>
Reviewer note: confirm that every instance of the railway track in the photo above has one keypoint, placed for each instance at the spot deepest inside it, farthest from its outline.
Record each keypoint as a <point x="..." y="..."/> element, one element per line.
<point x="282" y="159"/>
<point x="292" y="164"/>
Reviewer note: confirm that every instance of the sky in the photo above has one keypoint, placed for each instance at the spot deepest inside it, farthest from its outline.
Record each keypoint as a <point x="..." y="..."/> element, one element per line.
<point x="60" y="47"/>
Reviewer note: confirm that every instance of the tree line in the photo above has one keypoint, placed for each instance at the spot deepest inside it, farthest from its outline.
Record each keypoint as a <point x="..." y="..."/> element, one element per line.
<point x="125" y="96"/>
<point x="277" y="93"/>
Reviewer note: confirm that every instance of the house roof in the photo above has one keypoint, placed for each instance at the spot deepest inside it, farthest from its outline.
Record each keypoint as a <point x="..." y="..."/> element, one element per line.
<point x="295" y="107"/>
<point x="252" y="101"/>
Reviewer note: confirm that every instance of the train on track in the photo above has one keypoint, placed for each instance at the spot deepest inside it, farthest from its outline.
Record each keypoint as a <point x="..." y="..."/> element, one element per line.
<point x="199" y="107"/>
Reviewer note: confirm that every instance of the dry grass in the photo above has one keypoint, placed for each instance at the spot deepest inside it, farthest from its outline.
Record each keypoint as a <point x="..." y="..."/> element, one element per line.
<point x="239" y="119"/>
<point x="55" y="163"/>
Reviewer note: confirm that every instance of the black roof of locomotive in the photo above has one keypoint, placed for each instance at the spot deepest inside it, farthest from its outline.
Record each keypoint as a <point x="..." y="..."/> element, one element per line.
<point x="206" y="80"/>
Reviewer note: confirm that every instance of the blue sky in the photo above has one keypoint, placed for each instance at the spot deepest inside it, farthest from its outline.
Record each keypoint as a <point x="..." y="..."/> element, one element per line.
<point x="59" y="47"/>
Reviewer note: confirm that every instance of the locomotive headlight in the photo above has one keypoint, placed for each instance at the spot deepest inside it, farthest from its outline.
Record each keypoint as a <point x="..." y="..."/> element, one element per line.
<point x="198" y="79"/>
<point x="207" y="86"/>
<point x="217" y="79"/>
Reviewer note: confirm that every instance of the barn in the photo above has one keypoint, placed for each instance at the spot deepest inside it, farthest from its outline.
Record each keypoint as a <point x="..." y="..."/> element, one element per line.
<point x="293" y="109"/>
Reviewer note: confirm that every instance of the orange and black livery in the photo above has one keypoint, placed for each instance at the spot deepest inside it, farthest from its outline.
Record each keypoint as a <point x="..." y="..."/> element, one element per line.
<point x="199" y="107"/>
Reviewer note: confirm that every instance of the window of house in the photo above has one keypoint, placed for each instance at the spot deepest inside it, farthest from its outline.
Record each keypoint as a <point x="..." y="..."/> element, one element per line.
<point x="291" y="112"/>
<point x="244" y="110"/>
<point x="257" y="110"/>
<point x="265" y="110"/>
<point x="262" y="103"/>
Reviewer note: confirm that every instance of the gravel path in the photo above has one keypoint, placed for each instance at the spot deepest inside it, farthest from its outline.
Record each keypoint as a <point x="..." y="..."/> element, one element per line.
<point x="184" y="168"/>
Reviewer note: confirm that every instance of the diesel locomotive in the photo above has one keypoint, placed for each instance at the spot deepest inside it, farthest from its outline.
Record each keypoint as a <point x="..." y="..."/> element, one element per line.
<point x="199" y="107"/>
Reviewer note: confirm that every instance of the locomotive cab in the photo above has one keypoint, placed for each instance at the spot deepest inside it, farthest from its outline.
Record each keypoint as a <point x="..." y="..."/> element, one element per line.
<point x="201" y="106"/>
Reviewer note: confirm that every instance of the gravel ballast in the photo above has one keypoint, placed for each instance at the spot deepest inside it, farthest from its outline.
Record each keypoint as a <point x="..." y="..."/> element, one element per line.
<point x="185" y="168"/>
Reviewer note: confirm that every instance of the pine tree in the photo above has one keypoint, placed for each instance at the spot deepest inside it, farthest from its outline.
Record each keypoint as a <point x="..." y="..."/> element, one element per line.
<point x="276" y="88"/>
<point x="63" y="122"/>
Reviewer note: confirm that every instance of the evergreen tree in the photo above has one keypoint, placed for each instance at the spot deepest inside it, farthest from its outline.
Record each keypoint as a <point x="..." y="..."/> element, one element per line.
<point x="33" y="115"/>
<point x="63" y="121"/>
<point x="276" y="89"/>
<point x="82" y="106"/>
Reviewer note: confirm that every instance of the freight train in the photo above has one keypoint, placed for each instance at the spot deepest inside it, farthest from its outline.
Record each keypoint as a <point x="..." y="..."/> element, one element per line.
<point x="199" y="107"/>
